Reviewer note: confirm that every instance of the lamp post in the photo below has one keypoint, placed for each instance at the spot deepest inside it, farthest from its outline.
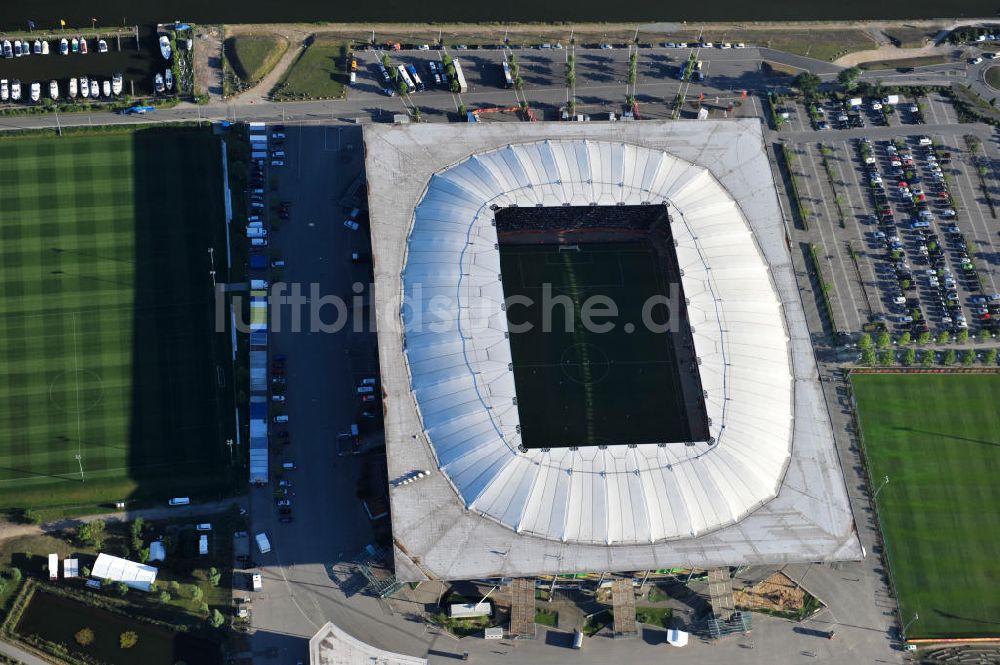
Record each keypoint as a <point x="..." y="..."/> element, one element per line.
<point x="884" y="483"/>
<point x="909" y="623"/>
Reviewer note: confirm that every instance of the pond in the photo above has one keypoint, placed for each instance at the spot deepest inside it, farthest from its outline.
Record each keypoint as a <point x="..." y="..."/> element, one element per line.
<point x="57" y="619"/>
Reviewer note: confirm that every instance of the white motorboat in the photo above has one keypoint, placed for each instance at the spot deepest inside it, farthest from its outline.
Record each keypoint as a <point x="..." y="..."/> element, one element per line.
<point x="74" y="45"/>
<point x="106" y="88"/>
<point x="15" y="91"/>
<point x="168" y="77"/>
<point x="63" y="46"/>
<point x="8" y="52"/>
<point x="45" y="48"/>
<point x="102" y="46"/>
<point x="72" y="87"/>
<point x="4" y="90"/>
<point x="36" y="91"/>
<point x="158" y="83"/>
<point x="83" y="46"/>
<point x="54" y="89"/>
<point x="165" y="47"/>
<point x="17" y="48"/>
<point x="84" y="87"/>
<point x="37" y="47"/>
<point x="95" y="88"/>
<point x="116" y="84"/>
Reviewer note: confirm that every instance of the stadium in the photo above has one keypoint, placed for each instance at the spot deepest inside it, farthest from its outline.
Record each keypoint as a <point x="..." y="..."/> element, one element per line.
<point x="690" y="433"/>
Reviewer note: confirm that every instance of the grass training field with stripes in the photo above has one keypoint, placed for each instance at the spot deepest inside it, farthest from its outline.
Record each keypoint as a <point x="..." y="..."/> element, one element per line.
<point x="937" y="437"/>
<point x="110" y="363"/>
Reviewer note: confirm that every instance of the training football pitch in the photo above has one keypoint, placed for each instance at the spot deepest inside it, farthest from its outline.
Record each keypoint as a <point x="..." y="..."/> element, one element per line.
<point x="113" y="381"/>
<point x="578" y="386"/>
<point x="937" y="437"/>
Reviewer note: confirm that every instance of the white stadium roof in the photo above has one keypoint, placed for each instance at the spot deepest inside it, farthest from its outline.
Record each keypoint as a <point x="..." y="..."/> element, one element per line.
<point x="460" y="358"/>
<point x="765" y="488"/>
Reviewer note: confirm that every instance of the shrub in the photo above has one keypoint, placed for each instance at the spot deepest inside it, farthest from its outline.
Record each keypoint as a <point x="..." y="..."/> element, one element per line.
<point x="15" y="574"/>
<point x="128" y="639"/>
<point x="121" y="588"/>
<point x="216" y="619"/>
<point x="93" y="534"/>
<point x="84" y="636"/>
<point x="164" y="597"/>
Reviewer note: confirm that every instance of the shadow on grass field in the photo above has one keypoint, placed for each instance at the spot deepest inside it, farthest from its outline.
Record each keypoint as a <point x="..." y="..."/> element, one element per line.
<point x="107" y="321"/>
<point x="253" y="56"/>
<point x="318" y="72"/>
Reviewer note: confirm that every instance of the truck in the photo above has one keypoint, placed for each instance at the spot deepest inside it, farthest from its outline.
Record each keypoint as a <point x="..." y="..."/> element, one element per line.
<point x="263" y="544"/>
<point x="257" y="582"/>
<point x="508" y="81"/>
<point x="462" y="87"/>
<point x="405" y="77"/>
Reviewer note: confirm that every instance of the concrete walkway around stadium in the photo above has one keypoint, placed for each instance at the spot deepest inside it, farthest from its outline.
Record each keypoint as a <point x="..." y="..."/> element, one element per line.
<point x="20" y="655"/>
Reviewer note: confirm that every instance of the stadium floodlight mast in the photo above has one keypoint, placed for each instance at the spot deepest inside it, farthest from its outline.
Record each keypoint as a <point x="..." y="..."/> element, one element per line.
<point x="884" y="483"/>
<point x="910" y="623"/>
<point x="79" y="460"/>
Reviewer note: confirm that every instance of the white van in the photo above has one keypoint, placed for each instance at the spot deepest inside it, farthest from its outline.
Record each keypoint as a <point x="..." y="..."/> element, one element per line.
<point x="257" y="284"/>
<point x="280" y="420"/>
<point x="255" y="224"/>
<point x="363" y="390"/>
<point x="207" y="526"/>
<point x="258" y="242"/>
<point x="179" y="501"/>
<point x="203" y="545"/>
<point x="288" y="466"/>
<point x="263" y="544"/>
<point x="354" y="78"/>
<point x="256" y="232"/>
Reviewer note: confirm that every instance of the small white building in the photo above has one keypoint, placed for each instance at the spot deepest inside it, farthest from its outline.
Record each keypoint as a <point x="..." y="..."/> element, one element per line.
<point x="116" y="569"/>
<point x="53" y="566"/>
<point x="71" y="568"/>
<point x="156" y="551"/>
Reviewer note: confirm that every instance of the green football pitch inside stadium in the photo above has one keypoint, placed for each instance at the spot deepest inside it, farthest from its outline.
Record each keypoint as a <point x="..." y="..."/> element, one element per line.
<point x="585" y="387"/>
<point x="113" y="380"/>
<point x="937" y="437"/>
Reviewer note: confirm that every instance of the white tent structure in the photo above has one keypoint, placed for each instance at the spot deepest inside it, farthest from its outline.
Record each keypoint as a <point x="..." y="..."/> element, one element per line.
<point x="764" y="487"/>
<point x="116" y="569"/>
<point x="460" y="360"/>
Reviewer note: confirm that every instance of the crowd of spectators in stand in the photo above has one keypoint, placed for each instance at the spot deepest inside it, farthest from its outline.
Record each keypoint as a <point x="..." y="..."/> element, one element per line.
<point x="579" y="218"/>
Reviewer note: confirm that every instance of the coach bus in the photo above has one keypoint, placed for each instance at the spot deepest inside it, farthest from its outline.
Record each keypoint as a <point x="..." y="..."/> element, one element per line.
<point x="508" y="81"/>
<point x="405" y="77"/>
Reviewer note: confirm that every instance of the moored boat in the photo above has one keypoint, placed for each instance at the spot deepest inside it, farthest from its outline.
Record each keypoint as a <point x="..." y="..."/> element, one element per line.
<point x="45" y="48"/>
<point x="84" y="87"/>
<point x="158" y="83"/>
<point x="15" y="90"/>
<point x="95" y="88"/>
<point x="165" y="47"/>
<point x="168" y="77"/>
<point x="74" y="45"/>
<point x="106" y="88"/>
<point x="116" y="84"/>
<point x="36" y="91"/>
<point x="17" y="48"/>
<point x="102" y="46"/>
<point x="72" y="87"/>
<point x="63" y="46"/>
<point x="37" y="47"/>
<point x="83" y="46"/>
<point x="8" y="51"/>
<point x="4" y="90"/>
<point x="54" y="89"/>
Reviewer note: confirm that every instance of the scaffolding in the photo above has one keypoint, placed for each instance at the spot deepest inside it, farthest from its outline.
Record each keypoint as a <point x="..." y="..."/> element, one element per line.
<point x="370" y="562"/>
<point x="720" y="591"/>
<point x="522" y="608"/>
<point x="623" y="602"/>
<point x="739" y="623"/>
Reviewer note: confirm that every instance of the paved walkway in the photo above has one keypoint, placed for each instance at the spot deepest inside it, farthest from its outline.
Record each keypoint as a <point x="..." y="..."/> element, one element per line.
<point x="12" y="651"/>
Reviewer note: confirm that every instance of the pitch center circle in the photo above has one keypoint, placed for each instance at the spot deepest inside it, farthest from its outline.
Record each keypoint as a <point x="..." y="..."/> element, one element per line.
<point x="76" y="391"/>
<point x="584" y="363"/>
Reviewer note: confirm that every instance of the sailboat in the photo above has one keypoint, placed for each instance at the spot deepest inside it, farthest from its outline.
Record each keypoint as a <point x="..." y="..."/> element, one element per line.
<point x="72" y="87"/>
<point x="63" y="46"/>
<point x="158" y="83"/>
<point x="8" y="52"/>
<point x="102" y="46"/>
<point x="15" y="90"/>
<point x="106" y="88"/>
<point x="17" y="48"/>
<point x="36" y="91"/>
<point x="95" y="88"/>
<point x="83" y="46"/>
<point x="4" y="90"/>
<point x="45" y="48"/>
<point x="54" y="89"/>
<point x="37" y="47"/>
<point x="165" y="47"/>
<point x="74" y="45"/>
<point x="84" y="87"/>
<point x="116" y="84"/>
<point x="169" y="77"/>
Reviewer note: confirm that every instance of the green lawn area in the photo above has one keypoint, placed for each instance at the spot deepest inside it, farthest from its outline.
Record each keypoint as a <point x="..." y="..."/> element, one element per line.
<point x="993" y="77"/>
<point x="654" y="616"/>
<point x="253" y="56"/>
<point x="937" y="437"/>
<point x="546" y="617"/>
<point x="318" y="73"/>
<point x="906" y="63"/>
<point x="110" y="362"/>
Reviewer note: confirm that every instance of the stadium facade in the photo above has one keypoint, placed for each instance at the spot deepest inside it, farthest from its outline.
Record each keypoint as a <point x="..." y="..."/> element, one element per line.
<point x="764" y="487"/>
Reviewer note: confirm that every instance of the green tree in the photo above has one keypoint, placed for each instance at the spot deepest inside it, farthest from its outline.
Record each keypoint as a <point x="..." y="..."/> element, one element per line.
<point x="14" y="574"/>
<point x="143" y="554"/>
<point x="905" y="339"/>
<point x="215" y="619"/>
<point x="807" y="83"/>
<point x="84" y="636"/>
<point x="865" y="341"/>
<point x="387" y="61"/>
<point x="174" y="586"/>
<point x="927" y="359"/>
<point x="401" y="88"/>
<point x="121" y="588"/>
<point x="909" y="356"/>
<point x="93" y="533"/>
<point x="969" y="357"/>
<point x="885" y="358"/>
<point x="164" y="597"/>
<point x="203" y="608"/>
<point x="30" y="516"/>
<point x="884" y="341"/>
<point x="196" y="593"/>
<point x="990" y="357"/>
<point x="949" y="357"/>
<point x="849" y="78"/>
<point x="983" y="335"/>
<point x="924" y="337"/>
<point x="128" y="639"/>
<point x="455" y="86"/>
<point x="962" y="336"/>
<point x="943" y="337"/>
<point x="214" y="576"/>
<point x="868" y="357"/>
